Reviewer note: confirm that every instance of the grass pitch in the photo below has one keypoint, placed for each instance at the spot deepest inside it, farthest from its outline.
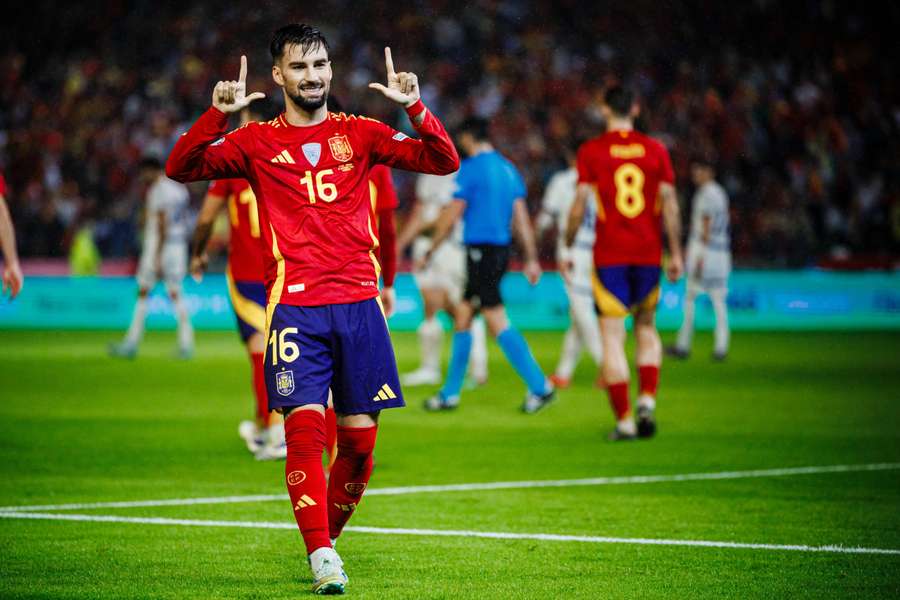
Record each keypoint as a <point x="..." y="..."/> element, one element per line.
<point x="76" y="426"/>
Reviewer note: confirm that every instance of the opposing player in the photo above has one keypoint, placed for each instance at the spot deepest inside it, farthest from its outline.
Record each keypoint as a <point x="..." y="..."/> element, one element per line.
<point x="264" y="436"/>
<point x="708" y="259"/>
<point x="309" y="170"/>
<point x="576" y="265"/>
<point x="631" y="175"/>
<point x="440" y="281"/>
<point x="12" y="270"/>
<point x="490" y="200"/>
<point x="164" y="256"/>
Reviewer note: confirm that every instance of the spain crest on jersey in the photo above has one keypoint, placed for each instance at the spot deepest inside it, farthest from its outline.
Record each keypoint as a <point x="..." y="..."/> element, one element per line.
<point x="284" y="382"/>
<point x="340" y="148"/>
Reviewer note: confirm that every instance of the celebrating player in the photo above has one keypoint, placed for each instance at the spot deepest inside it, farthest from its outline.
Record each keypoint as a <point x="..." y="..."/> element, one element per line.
<point x="264" y="435"/>
<point x="490" y="199"/>
<point x="708" y="259"/>
<point x="440" y="281"/>
<point x="632" y="177"/>
<point x="164" y="256"/>
<point x="12" y="270"/>
<point x="576" y="265"/>
<point x="309" y="170"/>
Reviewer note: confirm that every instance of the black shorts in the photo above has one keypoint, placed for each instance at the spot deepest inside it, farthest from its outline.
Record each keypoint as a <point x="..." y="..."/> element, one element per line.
<point x="485" y="266"/>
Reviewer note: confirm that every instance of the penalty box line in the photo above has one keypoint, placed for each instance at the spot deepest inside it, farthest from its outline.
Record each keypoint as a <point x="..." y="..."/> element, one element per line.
<point x="486" y="486"/>
<point x="495" y="535"/>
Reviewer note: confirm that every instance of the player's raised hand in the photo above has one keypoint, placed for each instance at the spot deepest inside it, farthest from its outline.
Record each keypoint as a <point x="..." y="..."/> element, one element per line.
<point x="402" y="88"/>
<point x="231" y="96"/>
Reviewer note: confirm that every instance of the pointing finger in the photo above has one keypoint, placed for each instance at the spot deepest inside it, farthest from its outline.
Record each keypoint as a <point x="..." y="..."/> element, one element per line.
<point x="389" y="62"/>
<point x="243" y="76"/>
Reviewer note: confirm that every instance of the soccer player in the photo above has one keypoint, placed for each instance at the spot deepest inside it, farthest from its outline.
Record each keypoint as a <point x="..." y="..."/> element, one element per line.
<point x="490" y="199"/>
<point x="264" y="436"/>
<point x="440" y="282"/>
<point x="631" y="176"/>
<point x="164" y="256"/>
<point x="309" y="170"/>
<point x="708" y="259"/>
<point x="576" y="265"/>
<point x="12" y="270"/>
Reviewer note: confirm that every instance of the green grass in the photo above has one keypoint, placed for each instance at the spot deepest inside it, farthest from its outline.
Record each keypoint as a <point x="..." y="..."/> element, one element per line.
<point x="76" y="426"/>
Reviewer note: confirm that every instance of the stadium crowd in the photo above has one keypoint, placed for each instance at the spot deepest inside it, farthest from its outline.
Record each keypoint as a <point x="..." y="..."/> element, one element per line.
<point x="798" y="103"/>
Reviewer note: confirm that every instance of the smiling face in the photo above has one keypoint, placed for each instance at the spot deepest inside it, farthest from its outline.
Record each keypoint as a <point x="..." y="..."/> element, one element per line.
<point x="304" y="77"/>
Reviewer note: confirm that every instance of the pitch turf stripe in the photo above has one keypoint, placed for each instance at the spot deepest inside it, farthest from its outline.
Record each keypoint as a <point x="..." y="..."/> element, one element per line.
<point x="491" y="485"/>
<point x="494" y="535"/>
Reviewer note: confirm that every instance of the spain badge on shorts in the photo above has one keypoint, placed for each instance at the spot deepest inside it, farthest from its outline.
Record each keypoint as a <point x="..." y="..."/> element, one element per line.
<point x="284" y="382"/>
<point x="340" y="148"/>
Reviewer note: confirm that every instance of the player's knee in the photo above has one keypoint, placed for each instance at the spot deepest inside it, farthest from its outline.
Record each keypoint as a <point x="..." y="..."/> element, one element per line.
<point x="358" y="446"/>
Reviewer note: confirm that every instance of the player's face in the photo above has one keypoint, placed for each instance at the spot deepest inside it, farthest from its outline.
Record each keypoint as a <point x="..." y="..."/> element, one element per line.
<point x="305" y="78"/>
<point x="466" y="143"/>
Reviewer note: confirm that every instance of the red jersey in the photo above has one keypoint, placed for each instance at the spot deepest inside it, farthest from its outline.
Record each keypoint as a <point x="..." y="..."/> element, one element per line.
<point x="2" y="186"/>
<point x="626" y="169"/>
<point x="312" y="192"/>
<point x="384" y="202"/>
<point x="245" y="253"/>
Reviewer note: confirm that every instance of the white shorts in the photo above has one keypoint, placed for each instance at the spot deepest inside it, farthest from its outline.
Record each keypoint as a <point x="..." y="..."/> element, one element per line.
<point x="174" y="267"/>
<point x="716" y="269"/>
<point x="581" y="277"/>
<point x="446" y="270"/>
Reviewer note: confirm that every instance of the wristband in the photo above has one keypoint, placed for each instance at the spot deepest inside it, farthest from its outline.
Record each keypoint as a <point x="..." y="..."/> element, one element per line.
<point x="416" y="109"/>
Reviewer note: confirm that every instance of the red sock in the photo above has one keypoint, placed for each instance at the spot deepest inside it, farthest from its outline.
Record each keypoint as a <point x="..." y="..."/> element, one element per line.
<point x="618" y="399"/>
<point x="350" y="474"/>
<point x="259" y="388"/>
<point x="330" y="436"/>
<point x="649" y="379"/>
<point x="305" y="435"/>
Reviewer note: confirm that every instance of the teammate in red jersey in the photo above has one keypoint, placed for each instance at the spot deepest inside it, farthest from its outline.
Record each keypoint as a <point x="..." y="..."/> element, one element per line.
<point x="12" y="271"/>
<point x="264" y="436"/>
<point x="384" y="203"/>
<point x="632" y="176"/>
<point x="309" y="170"/>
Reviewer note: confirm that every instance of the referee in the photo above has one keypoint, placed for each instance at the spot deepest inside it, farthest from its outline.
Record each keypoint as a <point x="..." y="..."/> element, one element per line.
<point x="490" y="199"/>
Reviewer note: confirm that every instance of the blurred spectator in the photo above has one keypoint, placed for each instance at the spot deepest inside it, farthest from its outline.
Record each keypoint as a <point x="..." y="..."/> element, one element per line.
<point x="798" y="100"/>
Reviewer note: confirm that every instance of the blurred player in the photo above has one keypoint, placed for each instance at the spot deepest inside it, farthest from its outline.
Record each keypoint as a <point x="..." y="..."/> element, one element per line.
<point x="490" y="199"/>
<point x="632" y="177"/>
<point x="576" y="265"/>
<point x="164" y="256"/>
<point x="708" y="259"/>
<point x="12" y="270"/>
<point x="309" y="170"/>
<point x="264" y="435"/>
<point x="440" y="282"/>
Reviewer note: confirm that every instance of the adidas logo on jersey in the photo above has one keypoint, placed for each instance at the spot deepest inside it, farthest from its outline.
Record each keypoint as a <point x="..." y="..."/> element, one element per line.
<point x="285" y="157"/>
<point x="385" y="393"/>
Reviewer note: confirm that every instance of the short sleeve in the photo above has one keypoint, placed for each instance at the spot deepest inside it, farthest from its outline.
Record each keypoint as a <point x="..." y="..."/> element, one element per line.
<point x="667" y="174"/>
<point x="584" y="165"/>
<point x="2" y="186"/>
<point x="220" y="188"/>
<point x="519" y="188"/>
<point x="464" y="184"/>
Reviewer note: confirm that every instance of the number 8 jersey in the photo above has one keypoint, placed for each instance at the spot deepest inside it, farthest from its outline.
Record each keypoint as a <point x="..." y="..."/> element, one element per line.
<point x="626" y="169"/>
<point x="311" y="185"/>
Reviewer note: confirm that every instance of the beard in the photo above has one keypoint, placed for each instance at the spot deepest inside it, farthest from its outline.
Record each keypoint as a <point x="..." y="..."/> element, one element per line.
<point x="309" y="104"/>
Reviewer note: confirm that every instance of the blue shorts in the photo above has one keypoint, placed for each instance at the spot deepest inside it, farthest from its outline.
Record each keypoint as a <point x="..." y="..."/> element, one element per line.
<point x="248" y="299"/>
<point x="345" y="347"/>
<point x="623" y="289"/>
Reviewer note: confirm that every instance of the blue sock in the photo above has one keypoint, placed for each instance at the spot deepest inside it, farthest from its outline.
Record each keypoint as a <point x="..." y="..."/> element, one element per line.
<point x="459" y="361"/>
<point x="519" y="356"/>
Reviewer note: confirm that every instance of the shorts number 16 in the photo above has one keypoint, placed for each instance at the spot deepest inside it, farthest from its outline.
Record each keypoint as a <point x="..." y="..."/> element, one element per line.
<point x="283" y="348"/>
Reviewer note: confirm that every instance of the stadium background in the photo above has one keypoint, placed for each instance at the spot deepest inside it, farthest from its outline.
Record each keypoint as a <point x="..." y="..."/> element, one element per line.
<point x="798" y="101"/>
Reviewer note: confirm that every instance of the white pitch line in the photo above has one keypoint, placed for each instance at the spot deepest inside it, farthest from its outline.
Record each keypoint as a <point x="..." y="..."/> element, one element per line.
<point x="496" y="535"/>
<point x="486" y="486"/>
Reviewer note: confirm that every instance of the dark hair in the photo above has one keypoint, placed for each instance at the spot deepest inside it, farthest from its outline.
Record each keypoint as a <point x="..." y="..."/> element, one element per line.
<point x="150" y="162"/>
<point x="296" y="34"/>
<point x="619" y="100"/>
<point x="478" y="127"/>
